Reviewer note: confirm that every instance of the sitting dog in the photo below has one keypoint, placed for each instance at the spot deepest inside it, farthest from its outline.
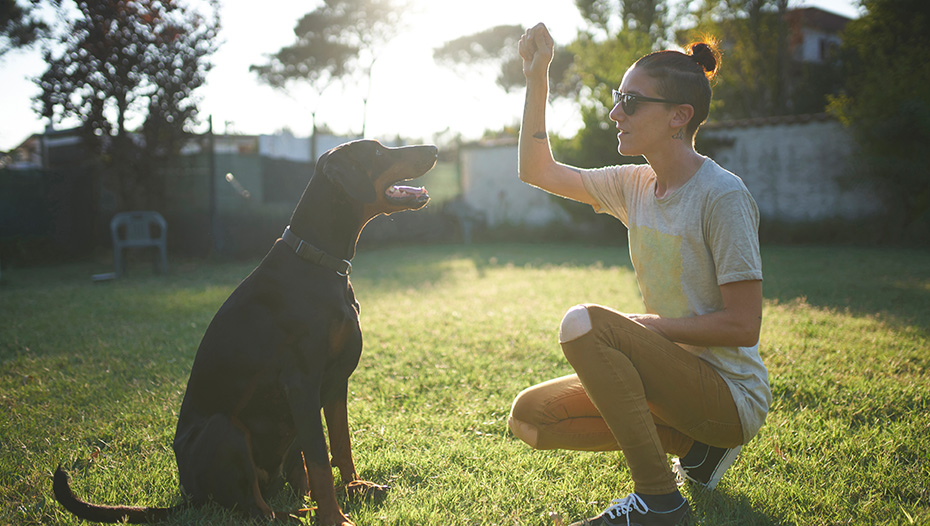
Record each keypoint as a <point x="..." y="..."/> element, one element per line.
<point x="280" y="349"/>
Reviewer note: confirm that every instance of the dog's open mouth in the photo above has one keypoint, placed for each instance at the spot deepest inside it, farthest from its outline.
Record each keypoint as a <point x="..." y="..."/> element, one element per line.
<point x="406" y="195"/>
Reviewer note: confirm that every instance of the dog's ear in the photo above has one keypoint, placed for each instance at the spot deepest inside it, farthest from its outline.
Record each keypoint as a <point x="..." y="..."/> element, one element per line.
<point x="350" y="177"/>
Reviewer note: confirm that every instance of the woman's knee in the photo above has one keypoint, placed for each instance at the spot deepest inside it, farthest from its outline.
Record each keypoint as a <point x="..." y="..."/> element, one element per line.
<point x="523" y="417"/>
<point x="575" y="323"/>
<point x="524" y="431"/>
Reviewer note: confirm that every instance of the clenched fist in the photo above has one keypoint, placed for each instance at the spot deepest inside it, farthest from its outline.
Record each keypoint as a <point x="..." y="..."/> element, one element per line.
<point x="536" y="49"/>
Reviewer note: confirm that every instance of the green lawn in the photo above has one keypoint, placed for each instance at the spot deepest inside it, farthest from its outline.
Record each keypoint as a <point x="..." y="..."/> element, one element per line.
<point x="92" y="375"/>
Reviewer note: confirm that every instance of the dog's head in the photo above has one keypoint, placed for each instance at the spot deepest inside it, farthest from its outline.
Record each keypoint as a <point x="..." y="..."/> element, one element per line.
<point x="371" y="174"/>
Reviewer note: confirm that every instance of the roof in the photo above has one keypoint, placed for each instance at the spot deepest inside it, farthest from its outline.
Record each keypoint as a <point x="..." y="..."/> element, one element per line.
<point x="816" y="18"/>
<point x="769" y="121"/>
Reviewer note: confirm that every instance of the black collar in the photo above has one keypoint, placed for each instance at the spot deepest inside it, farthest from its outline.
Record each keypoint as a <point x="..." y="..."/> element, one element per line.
<point x="309" y="252"/>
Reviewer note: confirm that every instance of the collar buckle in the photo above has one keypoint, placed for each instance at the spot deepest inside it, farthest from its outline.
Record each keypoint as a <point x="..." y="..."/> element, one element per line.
<point x="304" y="250"/>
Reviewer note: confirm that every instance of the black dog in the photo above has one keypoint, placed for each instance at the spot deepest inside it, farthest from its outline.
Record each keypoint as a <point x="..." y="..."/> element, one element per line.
<point x="280" y="349"/>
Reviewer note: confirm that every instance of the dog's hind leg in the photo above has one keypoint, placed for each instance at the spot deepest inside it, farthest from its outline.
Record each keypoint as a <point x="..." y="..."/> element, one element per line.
<point x="215" y="463"/>
<point x="295" y="471"/>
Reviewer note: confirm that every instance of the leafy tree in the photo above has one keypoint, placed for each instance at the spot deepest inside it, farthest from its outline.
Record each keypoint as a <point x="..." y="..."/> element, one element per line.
<point x="121" y="59"/>
<point x="619" y="32"/>
<point x="887" y="102"/>
<point x="754" y="81"/>
<point x="496" y="49"/>
<point x="645" y="17"/>
<point x="635" y="23"/>
<point x="338" y="40"/>
<point x="19" y="27"/>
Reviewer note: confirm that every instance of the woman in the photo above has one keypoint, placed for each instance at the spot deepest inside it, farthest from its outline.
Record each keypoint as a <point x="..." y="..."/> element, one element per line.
<point x="686" y="377"/>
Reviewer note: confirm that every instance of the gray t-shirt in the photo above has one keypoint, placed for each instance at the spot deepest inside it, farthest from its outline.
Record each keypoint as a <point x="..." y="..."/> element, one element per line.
<point x="683" y="247"/>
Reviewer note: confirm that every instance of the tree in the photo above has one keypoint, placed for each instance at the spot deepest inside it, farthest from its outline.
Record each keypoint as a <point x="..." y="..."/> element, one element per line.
<point x="646" y="17"/>
<point x="754" y="81"/>
<point x="599" y="68"/>
<point x="618" y="33"/>
<point x="887" y="103"/>
<point x="630" y="22"/>
<point x="496" y="49"/>
<point x="122" y="59"/>
<point x="19" y="27"/>
<point x="340" y="39"/>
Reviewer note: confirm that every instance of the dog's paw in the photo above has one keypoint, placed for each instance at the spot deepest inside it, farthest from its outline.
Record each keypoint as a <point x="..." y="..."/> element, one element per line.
<point x="364" y="489"/>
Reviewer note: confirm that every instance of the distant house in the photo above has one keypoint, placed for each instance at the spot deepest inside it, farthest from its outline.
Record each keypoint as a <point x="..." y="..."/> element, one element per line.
<point x="50" y="150"/>
<point x="759" y="77"/>
<point x="814" y="34"/>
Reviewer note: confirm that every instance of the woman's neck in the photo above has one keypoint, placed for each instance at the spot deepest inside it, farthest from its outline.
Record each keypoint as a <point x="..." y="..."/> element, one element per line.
<point x="674" y="168"/>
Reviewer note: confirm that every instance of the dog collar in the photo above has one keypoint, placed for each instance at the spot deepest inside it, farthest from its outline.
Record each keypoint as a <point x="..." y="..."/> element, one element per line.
<point x="305" y="250"/>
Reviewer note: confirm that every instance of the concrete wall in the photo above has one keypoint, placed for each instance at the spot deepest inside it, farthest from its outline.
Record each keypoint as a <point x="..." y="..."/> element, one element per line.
<point x="797" y="168"/>
<point x="490" y="184"/>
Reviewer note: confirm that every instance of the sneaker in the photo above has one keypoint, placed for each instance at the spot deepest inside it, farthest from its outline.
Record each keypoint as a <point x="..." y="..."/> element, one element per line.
<point x="632" y="511"/>
<point x="704" y="464"/>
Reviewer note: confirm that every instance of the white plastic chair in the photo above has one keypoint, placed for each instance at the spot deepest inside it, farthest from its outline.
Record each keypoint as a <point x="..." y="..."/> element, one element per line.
<point x="137" y="230"/>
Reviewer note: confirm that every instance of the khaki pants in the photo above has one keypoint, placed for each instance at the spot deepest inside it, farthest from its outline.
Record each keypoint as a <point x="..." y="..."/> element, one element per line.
<point x="634" y="391"/>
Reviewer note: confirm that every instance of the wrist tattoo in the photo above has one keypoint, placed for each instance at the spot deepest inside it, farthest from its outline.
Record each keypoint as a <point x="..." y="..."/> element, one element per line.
<point x="542" y="136"/>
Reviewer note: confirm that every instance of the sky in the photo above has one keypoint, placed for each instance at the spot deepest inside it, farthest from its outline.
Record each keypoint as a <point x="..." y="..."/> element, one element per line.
<point x="411" y="95"/>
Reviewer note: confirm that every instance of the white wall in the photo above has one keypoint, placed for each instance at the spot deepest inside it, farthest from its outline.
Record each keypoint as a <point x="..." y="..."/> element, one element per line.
<point x="796" y="170"/>
<point x="491" y="185"/>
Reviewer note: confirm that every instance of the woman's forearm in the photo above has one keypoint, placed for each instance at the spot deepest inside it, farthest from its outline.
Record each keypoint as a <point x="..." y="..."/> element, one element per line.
<point x="535" y="155"/>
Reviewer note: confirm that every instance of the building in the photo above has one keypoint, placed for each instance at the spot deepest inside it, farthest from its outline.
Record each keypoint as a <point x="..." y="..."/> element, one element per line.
<point x="814" y="34"/>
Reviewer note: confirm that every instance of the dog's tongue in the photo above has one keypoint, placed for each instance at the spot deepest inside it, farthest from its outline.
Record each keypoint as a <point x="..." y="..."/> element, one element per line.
<point x="402" y="192"/>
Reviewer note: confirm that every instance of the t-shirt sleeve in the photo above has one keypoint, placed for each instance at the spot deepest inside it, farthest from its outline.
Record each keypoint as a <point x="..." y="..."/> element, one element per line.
<point x="611" y="187"/>
<point x="732" y="232"/>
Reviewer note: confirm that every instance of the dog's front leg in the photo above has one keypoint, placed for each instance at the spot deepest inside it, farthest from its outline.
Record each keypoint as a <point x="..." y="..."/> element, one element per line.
<point x="305" y="408"/>
<point x="340" y="443"/>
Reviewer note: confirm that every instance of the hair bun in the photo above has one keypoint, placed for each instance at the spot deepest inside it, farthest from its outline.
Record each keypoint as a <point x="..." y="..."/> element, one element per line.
<point x="706" y="56"/>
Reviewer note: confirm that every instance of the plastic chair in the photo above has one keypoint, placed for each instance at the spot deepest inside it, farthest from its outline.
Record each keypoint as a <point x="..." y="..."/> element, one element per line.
<point x="138" y="230"/>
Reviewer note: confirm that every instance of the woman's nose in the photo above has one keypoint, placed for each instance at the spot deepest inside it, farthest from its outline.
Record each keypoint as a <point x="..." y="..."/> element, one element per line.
<point x="616" y="114"/>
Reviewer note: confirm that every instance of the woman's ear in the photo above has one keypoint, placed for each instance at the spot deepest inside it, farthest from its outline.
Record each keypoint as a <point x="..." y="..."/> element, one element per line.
<point x="682" y="115"/>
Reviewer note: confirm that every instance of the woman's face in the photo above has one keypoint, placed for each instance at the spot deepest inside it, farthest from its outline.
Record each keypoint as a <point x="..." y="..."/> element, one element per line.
<point x="641" y="132"/>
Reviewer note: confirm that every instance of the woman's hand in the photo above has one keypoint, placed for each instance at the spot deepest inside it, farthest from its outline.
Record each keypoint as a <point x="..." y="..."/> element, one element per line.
<point x="652" y="322"/>
<point x="737" y="325"/>
<point x="536" y="48"/>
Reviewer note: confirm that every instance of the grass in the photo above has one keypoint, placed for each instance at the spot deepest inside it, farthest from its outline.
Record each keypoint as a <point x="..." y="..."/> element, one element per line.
<point x="92" y="375"/>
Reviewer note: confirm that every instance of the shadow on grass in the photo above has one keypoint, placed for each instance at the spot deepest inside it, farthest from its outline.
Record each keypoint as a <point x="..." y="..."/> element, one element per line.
<point x="722" y="507"/>
<point x="894" y="283"/>
<point x="402" y="267"/>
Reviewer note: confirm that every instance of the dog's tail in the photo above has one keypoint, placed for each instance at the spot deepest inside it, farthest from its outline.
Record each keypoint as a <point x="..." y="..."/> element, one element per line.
<point x="98" y="513"/>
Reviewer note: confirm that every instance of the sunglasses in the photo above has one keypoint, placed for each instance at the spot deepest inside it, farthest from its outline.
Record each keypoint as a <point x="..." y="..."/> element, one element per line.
<point x="629" y="101"/>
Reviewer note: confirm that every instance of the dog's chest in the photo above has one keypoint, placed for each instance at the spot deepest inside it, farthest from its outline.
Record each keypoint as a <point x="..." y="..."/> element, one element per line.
<point x="342" y="336"/>
<point x="342" y="333"/>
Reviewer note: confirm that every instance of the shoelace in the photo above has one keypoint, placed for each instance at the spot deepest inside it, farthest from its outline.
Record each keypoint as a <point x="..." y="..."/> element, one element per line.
<point x="623" y="507"/>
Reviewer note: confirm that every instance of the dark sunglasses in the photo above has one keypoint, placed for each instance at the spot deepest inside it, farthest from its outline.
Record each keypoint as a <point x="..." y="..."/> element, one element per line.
<point x="628" y="101"/>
